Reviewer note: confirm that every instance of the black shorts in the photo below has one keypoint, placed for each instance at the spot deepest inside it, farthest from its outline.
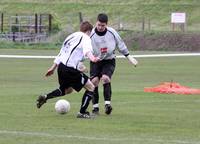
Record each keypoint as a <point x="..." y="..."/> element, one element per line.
<point x="106" y="67"/>
<point x="70" y="77"/>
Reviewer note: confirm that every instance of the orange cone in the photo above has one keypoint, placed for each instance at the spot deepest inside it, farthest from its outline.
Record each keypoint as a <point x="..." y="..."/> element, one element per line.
<point x="172" y="87"/>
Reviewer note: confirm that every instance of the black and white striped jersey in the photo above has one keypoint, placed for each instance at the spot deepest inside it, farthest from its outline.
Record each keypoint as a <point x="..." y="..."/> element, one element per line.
<point x="104" y="46"/>
<point x="74" y="49"/>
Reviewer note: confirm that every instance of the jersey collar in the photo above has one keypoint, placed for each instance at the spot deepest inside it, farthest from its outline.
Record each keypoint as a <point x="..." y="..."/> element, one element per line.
<point x="100" y="33"/>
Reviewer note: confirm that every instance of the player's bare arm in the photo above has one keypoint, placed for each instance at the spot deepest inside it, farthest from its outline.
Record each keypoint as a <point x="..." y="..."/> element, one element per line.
<point x="92" y="57"/>
<point x="51" y="70"/>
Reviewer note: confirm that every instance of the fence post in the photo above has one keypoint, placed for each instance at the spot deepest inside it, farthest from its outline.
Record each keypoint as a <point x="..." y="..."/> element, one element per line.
<point x="17" y="26"/>
<point x="40" y="23"/>
<point x="143" y="24"/>
<point x="36" y="23"/>
<point x="13" y="38"/>
<point x="80" y="17"/>
<point x="1" y="22"/>
<point x="50" y="22"/>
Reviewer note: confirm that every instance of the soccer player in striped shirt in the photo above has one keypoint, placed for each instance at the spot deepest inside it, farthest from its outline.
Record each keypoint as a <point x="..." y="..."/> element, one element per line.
<point x="75" y="49"/>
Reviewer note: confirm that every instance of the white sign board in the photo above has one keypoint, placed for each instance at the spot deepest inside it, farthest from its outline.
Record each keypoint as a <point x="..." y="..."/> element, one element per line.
<point x="178" y="18"/>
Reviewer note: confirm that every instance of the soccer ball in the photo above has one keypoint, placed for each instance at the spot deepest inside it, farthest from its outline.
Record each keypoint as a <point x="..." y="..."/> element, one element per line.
<point x="62" y="106"/>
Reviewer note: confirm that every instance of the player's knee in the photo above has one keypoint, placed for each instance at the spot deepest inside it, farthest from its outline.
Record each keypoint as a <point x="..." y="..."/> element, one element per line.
<point x="68" y="90"/>
<point x="95" y="81"/>
<point x="89" y="86"/>
<point x="105" y="79"/>
<point x="92" y="87"/>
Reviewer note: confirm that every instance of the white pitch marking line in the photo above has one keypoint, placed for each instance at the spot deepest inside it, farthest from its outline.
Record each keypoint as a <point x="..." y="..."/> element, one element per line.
<point x="162" y="55"/>
<point x="42" y="134"/>
<point x="119" y="56"/>
<point x="26" y="56"/>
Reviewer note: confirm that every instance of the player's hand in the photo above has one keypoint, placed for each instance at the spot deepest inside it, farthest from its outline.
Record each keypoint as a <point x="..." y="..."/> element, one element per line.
<point x="96" y="59"/>
<point x="92" y="57"/>
<point x="82" y="67"/>
<point x="49" y="72"/>
<point x="132" y="60"/>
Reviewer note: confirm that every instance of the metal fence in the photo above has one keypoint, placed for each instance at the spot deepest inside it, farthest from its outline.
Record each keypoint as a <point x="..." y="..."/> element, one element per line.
<point x="37" y="24"/>
<point x="24" y="37"/>
<point x="25" y="28"/>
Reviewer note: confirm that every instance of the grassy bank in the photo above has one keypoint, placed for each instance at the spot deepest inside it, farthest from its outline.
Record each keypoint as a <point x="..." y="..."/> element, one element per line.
<point x="36" y="46"/>
<point x="130" y="13"/>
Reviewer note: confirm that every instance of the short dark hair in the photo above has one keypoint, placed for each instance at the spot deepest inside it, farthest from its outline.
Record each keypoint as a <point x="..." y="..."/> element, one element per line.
<point x="102" y="17"/>
<point x="86" y="26"/>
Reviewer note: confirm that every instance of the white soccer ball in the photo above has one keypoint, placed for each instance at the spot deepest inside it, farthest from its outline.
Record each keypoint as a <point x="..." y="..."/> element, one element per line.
<point x="62" y="106"/>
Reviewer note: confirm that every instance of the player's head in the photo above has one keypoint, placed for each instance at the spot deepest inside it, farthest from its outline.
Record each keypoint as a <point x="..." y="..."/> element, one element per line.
<point x="102" y="20"/>
<point x="86" y="27"/>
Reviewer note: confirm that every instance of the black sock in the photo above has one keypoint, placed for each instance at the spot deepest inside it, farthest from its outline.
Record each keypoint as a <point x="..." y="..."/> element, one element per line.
<point x="55" y="93"/>
<point x="107" y="91"/>
<point x="86" y="100"/>
<point x="95" y="99"/>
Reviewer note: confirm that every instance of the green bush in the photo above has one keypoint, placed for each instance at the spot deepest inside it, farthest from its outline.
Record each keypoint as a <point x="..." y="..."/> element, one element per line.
<point x="56" y="24"/>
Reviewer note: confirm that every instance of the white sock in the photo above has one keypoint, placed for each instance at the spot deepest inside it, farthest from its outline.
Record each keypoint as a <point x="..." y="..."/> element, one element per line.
<point x="95" y="105"/>
<point x="107" y="102"/>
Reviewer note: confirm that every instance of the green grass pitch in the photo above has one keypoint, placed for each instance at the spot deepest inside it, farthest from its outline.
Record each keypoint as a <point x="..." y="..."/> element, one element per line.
<point x="137" y="118"/>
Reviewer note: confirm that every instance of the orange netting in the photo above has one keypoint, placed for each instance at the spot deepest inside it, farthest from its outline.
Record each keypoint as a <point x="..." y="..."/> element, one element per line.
<point x="172" y="87"/>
